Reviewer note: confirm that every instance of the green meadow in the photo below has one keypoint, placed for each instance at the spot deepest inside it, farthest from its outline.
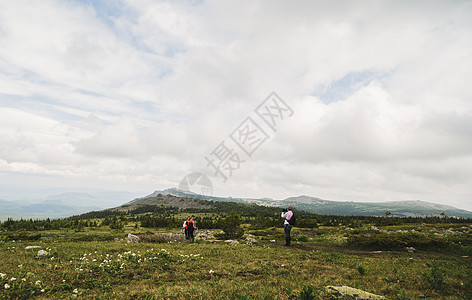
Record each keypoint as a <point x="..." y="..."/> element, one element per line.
<point x="99" y="263"/>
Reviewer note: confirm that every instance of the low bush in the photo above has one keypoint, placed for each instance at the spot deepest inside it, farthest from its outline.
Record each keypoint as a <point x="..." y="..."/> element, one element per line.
<point x="301" y="238"/>
<point x="309" y="293"/>
<point x="231" y="226"/>
<point x="435" y="278"/>
<point x="396" y="241"/>
<point x="21" y="236"/>
<point x="91" y="238"/>
<point x="162" y="238"/>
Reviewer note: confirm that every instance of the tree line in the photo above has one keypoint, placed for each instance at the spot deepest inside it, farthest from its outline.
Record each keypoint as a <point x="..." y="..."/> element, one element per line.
<point x="153" y="216"/>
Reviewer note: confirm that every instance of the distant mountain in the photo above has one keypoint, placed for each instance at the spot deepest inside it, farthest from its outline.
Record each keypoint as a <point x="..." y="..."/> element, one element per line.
<point x="68" y="204"/>
<point x="165" y="200"/>
<point x="97" y="200"/>
<point x="41" y="210"/>
<point x="186" y="194"/>
<point x="414" y="208"/>
<point x="60" y="205"/>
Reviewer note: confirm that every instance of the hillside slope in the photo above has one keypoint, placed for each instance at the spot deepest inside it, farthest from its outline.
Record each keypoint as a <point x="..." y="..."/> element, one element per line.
<point x="164" y="200"/>
<point x="328" y="207"/>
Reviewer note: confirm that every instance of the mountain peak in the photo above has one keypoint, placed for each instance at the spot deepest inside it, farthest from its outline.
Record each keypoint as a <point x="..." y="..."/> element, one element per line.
<point x="406" y="208"/>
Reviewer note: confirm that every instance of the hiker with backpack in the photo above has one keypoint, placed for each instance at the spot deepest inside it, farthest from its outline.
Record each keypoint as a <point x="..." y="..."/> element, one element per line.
<point x="191" y="227"/>
<point x="185" y="227"/>
<point x="289" y="222"/>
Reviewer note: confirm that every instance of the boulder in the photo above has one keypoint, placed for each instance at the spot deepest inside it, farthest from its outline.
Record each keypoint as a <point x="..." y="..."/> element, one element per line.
<point x="132" y="238"/>
<point x="251" y="240"/>
<point x="42" y="253"/>
<point x="231" y="242"/>
<point x="204" y="235"/>
<point x="32" y="247"/>
<point x="410" y="249"/>
<point x="353" y="292"/>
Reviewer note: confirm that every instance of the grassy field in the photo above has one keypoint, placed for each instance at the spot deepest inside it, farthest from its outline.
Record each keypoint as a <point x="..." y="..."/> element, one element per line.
<point x="100" y="264"/>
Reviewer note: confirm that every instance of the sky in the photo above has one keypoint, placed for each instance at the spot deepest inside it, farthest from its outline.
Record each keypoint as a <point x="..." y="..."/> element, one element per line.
<point x="342" y="100"/>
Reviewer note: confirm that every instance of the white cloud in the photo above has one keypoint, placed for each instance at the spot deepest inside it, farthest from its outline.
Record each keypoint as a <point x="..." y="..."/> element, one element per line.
<point x="139" y="95"/>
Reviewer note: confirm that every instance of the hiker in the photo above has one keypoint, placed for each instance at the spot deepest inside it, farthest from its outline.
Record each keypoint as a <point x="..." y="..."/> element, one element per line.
<point x="185" y="227"/>
<point x="191" y="227"/>
<point x="287" y="214"/>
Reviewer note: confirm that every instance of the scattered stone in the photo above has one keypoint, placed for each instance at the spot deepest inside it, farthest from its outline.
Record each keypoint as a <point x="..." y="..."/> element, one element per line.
<point x="251" y="240"/>
<point x="348" y="228"/>
<point x="410" y="249"/>
<point x="42" y="253"/>
<point x="272" y="241"/>
<point x="204" y="235"/>
<point x="231" y="242"/>
<point x="356" y="293"/>
<point x="132" y="238"/>
<point x="374" y="228"/>
<point x="32" y="247"/>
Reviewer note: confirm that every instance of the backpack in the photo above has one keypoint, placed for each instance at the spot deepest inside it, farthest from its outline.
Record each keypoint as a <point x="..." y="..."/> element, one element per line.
<point x="293" y="220"/>
<point x="190" y="226"/>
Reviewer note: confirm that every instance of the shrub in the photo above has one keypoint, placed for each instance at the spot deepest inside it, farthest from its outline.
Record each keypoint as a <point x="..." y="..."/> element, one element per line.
<point x="308" y="293"/>
<point x="91" y="238"/>
<point x="162" y="238"/>
<point x="435" y="278"/>
<point x="22" y="236"/>
<point x="231" y="226"/>
<point x="302" y="238"/>
<point x="395" y="241"/>
<point x="361" y="269"/>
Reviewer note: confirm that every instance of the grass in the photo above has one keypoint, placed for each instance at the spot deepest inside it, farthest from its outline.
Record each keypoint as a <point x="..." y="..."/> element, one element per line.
<point x="105" y="268"/>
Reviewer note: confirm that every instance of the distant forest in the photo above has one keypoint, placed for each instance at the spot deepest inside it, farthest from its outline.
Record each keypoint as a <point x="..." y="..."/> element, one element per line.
<point x="152" y="216"/>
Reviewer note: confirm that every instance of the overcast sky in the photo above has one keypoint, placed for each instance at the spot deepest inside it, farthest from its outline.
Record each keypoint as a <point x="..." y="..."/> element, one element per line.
<point x="134" y="95"/>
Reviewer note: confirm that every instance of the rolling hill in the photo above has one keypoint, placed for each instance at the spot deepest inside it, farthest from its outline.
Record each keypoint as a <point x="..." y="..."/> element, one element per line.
<point x="414" y="208"/>
<point x="68" y="204"/>
<point x="59" y="205"/>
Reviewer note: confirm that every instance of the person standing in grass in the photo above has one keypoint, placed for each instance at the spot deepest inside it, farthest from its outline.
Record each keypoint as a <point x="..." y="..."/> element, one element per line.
<point x="191" y="227"/>
<point x="185" y="227"/>
<point x="287" y="214"/>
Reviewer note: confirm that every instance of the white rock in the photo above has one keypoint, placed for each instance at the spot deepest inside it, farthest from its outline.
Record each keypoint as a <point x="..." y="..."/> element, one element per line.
<point x="42" y="253"/>
<point x="232" y="242"/>
<point x="32" y="247"/>
<point x="133" y="238"/>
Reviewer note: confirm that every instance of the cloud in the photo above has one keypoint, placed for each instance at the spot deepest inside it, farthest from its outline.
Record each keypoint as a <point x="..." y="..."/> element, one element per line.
<point x="121" y="139"/>
<point x="140" y="92"/>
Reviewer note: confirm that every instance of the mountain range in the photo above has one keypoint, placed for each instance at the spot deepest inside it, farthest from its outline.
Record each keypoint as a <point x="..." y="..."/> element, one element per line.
<point x="412" y="208"/>
<point x="72" y="203"/>
<point x="60" y="205"/>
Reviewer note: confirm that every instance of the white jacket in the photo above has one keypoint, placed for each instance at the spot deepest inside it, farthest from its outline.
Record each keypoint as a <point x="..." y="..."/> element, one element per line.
<point x="287" y="215"/>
